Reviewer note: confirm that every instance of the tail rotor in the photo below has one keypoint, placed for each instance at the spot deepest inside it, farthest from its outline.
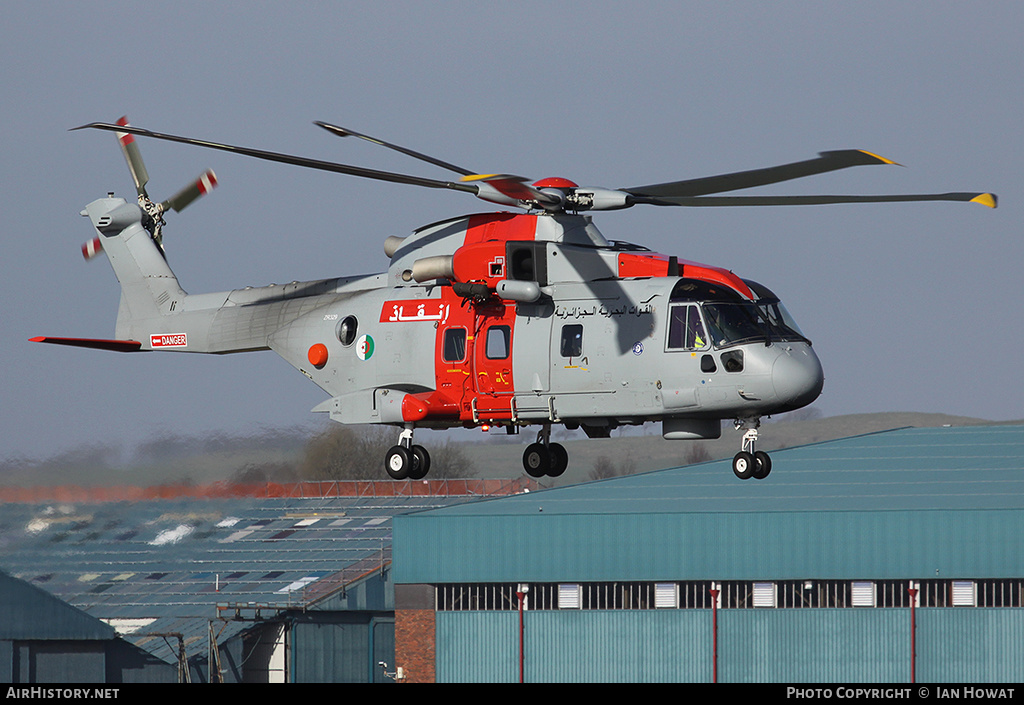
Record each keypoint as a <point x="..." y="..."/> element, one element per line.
<point x="154" y="210"/>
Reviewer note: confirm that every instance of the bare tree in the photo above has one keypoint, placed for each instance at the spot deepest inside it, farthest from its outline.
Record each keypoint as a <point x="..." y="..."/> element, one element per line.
<point x="697" y="453"/>
<point x="448" y="460"/>
<point x="346" y="453"/>
<point x="605" y="467"/>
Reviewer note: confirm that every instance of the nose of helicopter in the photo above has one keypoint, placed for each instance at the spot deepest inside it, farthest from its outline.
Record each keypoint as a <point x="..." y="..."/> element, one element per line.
<point x="797" y="377"/>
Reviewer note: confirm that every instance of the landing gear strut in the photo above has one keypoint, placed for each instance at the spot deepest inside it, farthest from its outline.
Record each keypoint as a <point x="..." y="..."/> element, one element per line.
<point x="750" y="462"/>
<point x="544" y="457"/>
<point x="405" y="460"/>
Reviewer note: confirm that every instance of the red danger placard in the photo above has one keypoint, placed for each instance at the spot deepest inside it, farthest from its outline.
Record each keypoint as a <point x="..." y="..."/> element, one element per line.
<point x="168" y="340"/>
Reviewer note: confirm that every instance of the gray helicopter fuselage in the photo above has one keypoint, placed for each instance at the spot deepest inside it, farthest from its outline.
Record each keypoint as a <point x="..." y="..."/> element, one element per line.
<point x="570" y="341"/>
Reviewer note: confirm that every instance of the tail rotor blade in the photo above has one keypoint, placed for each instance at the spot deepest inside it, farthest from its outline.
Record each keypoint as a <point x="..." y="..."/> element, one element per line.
<point x="133" y="156"/>
<point x="92" y="249"/>
<point x="201" y="186"/>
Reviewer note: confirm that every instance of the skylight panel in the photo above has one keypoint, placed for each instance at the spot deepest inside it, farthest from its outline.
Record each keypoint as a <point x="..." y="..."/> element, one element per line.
<point x="172" y="536"/>
<point x="298" y="584"/>
<point x="129" y="625"/>
<point x="237" y="536"/>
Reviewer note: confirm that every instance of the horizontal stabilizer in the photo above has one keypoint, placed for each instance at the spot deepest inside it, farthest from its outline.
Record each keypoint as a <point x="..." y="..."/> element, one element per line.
<point x="115" y="345"/>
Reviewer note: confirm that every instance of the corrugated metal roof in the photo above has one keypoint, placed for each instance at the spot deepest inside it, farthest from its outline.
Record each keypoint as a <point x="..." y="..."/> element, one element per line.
<point x="26" y="612"/>
<point x="978" y="467"/>
<point x="174" y="560"/>
<point x="910" y="503"/>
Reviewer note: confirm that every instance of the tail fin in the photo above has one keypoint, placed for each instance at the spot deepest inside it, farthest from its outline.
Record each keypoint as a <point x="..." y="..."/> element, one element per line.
<point x="149" y="288"/>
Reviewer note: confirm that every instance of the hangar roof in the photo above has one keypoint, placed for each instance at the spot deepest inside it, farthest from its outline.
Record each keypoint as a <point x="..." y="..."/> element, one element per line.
<point x="918" y="502"/>
<point x="977" y="467"/>
<point x="164" y="565"/>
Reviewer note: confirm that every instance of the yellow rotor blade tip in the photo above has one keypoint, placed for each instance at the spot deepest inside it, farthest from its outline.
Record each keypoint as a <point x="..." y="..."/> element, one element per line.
<point x="879" y="158"/>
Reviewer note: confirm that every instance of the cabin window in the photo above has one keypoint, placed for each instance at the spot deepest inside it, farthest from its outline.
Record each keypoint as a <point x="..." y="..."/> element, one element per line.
<point x="685" y="329"/>
<point x="454" y="348"/>
<point x="572" y="341"/>
<point x="347" y="330"/>
<point x="527" y="261"/>
<point x="498" y="339"/>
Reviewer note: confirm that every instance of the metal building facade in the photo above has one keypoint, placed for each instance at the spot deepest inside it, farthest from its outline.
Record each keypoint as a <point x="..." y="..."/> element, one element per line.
<point x="44" y="640"/>
<point x="814" y="645"/>
<point x="940" y="509"/>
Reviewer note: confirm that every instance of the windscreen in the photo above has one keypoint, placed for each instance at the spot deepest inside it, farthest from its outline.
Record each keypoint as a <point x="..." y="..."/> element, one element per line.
<point x="732" y="323"/>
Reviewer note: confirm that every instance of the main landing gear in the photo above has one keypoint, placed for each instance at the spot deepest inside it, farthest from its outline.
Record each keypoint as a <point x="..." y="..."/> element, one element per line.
<point x="544" y="457"/>
<point x="750" y="462"/>
<point x="407" y="461"/>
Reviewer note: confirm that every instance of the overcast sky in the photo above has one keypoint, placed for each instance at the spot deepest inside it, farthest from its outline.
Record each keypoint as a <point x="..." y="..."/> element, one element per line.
<point x="911" y="307"/>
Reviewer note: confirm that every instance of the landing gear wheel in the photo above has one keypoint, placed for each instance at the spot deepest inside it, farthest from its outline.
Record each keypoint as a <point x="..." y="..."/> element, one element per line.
<point x="762" y="465"/>
<point x="559" y="459"/>
<point x="743" y="465"/>
<point x="398" y="462"/>
<point x="421" y="463"/>
<point x="536" y="460"/>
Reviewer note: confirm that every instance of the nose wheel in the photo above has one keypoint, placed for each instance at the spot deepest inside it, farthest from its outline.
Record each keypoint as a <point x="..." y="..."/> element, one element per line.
<point x="750" y="462"/>
<point x="545" y="458"/>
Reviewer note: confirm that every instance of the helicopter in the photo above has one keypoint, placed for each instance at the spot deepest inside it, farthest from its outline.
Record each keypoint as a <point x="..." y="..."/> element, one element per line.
<point x="500" y="319"/>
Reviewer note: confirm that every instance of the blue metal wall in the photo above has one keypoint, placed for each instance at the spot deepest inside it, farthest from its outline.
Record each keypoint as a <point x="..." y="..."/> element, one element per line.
<point x="970" y="645"/>
<point x="436" y="548"/>
<point x="342" y="648"/>
<point x="771" y="645"/>
<point x="814" y="646"/>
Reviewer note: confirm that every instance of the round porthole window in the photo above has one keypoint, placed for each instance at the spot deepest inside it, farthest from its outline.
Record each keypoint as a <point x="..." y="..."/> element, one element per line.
<point x="347" y="330"/>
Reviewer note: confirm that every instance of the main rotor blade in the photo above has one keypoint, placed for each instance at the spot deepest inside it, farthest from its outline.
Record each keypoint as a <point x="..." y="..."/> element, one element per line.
<point x="133" y="156"/>
<point x="288" y="158"/>
<point x="826" y="161"/>
<point x="515" y="187"/>
<point x="345" y="132"/>
<point x="985" y="199"/>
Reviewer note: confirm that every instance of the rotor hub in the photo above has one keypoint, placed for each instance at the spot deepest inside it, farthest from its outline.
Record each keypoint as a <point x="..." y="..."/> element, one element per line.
<point x="555" y="182"/>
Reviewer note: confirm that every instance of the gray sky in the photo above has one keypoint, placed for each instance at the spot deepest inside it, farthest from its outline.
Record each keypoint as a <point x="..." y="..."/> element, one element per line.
<point x="911" y="307"/>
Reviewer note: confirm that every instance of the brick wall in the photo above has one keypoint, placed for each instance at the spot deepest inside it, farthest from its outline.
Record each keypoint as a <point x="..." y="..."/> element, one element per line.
<point x="414" y="644"/>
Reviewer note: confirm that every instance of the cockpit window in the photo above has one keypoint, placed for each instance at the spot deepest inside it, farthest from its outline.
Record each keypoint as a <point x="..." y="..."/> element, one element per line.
<point x="782" y="320"/>
<point x="734" y="323"/>
<point x="728" y="318"/>
<point x="685" y="329"/>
